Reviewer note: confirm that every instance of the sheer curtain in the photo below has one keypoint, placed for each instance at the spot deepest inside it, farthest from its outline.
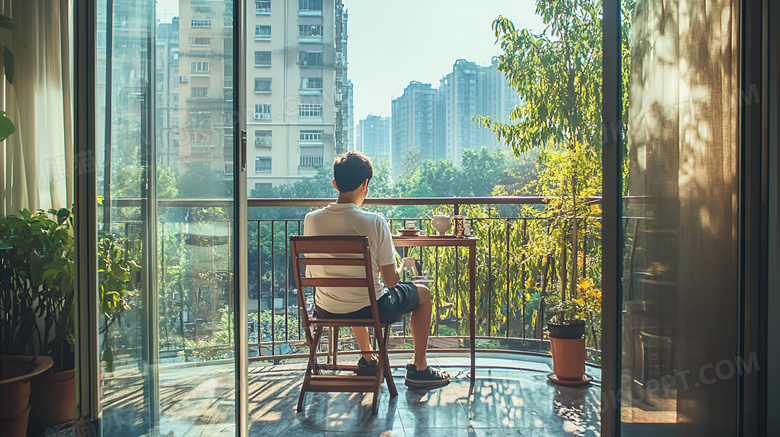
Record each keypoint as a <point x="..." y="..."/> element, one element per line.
<point x="681" y="284"/>
<point x="38" y="157"/>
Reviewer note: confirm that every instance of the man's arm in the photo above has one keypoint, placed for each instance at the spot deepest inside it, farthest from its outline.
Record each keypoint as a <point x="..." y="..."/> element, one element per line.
<point x="390" y="275"/>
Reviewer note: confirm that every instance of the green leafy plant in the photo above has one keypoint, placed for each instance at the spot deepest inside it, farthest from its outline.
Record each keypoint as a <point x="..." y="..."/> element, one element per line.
<point x="119" y="276"/>
<point x="36" y="276"/>
<point x="557" y="74"/>
<point x="6" y="125"/>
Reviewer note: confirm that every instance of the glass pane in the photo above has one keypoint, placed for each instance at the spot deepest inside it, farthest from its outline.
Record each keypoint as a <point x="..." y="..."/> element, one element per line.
<point x="166" y="130"/>
<point x="680" y="276"/>
<point x="126" y="297"/>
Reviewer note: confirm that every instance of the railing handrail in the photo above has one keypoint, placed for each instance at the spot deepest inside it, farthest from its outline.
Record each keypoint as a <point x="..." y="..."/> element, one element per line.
<point x="372" y="201"/>
<point x="405" y="201"/>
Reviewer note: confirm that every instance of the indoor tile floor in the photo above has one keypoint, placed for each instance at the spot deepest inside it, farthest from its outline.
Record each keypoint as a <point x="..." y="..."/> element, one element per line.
<point x="510" y="397"/>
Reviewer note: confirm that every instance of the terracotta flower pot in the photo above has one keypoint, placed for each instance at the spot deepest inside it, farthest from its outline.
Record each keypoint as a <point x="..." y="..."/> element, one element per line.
<point x="15" y="374"/>
<point x="53" y="400"/>
<point x="568" y="358"/>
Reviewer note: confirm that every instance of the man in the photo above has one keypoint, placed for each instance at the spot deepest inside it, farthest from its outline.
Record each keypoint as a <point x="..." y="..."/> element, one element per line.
<point x="351" y="174"/>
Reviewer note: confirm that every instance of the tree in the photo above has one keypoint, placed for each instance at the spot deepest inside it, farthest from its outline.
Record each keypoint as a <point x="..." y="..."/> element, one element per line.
<point x="557" y="73"/>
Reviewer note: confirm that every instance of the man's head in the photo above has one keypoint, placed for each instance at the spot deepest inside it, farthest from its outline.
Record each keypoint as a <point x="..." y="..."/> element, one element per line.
<point x="351" y="170"/>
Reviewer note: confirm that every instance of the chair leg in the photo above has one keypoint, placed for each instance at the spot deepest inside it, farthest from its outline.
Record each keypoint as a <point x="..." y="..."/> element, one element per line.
<point x="334" y="336"/>
<point x="386" y="368"/>
<point x="311" y="366"/>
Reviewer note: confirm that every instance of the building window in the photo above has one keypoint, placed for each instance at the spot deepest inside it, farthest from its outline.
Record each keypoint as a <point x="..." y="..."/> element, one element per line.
<point x="199" y="67"/>
<point x="310" y="5"/>
<point x="202" y="23"/>
<point x="199" y="91"/>
<point x="228" y="94"/>
<point x="229" y="168"/>
<point x="310" y="59"/>
<point x="263" y="186"/>
<point x="262" y="138"/>
<point x="263" y="111"/>
<point x="200" y="120"/>
<point x="262" y="85"/>
<point x="227" y="148"/>
<point x="262" y="32"/>
<point x="310" y="110"/>
<point x="203" y="42"/>
<point x="262" y="7"/>
<point x="310" y="31"/>
<point x="311" y="83"/>
<point x="262" y="59"/>
<point x="311" y="135"/>
<point x="263" y="164"/>
<point x="311" y="161"/>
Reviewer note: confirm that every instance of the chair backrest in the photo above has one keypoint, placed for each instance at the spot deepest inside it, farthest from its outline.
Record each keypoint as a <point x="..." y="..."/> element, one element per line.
<point x="340" y="250"/>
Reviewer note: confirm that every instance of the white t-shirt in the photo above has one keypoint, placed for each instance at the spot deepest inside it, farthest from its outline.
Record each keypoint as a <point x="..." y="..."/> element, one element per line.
<point x="348" y="219"/>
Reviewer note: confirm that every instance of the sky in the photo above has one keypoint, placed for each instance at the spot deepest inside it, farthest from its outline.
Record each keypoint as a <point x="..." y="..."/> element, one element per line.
<point x="393" y="42"/>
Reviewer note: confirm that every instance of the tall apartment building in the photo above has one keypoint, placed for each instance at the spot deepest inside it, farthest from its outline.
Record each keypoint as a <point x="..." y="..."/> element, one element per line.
<point x="438" y="122"/>
<point x="413" y="127"/>
<point x="205" y="86"/>
<point x="344" y="89"/>
<point x="373" y="137"/>
<point x="296" y="85"/>
<point x="167" y="93"/>
<point x="471" y="90"/>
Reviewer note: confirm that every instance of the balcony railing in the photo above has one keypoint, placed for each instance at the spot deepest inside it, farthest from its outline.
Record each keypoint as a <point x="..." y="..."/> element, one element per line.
<point x="196" y="279"/>
<point x="506" y="314"/>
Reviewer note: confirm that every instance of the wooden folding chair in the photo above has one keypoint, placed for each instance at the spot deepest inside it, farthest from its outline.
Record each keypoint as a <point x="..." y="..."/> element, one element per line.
<point x="338" y="250"/>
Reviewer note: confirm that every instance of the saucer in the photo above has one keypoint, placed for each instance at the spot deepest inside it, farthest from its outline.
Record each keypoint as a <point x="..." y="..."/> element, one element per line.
<point x="586" y="379"/>
<point x="409" y="232"/>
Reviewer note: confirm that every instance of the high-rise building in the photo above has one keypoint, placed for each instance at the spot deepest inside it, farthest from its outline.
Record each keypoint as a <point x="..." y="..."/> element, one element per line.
<point x="344" y="89"/>
<point x="373" y="137"/>
<point x="471" y="90"/>
<point x="205" y="87"/>
<point x="299" y="97"/>
<point x="413" y="129"/>
<point x="167" y="93"/>
<point x="438" y="122"/>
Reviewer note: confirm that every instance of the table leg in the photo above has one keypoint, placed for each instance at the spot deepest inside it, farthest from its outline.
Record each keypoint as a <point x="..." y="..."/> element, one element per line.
<point x="472" y="308"/>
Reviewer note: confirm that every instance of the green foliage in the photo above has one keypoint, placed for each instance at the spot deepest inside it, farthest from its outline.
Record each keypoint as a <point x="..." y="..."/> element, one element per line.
<point x="6" y="125"/>
<point x="557" y="74"/>
<point x="36" y="276"/>
<point x="119" y="279"/>
<point x="119" y="275"/>
<point x="217" y="347"/>
<point x="199" y="181"/>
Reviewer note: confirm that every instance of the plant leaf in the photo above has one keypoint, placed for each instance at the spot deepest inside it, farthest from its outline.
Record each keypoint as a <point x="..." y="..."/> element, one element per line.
<point x="7" y="126"/>
<point x="8" y="64"/>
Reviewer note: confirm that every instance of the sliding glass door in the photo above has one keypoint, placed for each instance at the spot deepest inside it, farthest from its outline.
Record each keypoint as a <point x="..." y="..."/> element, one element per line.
<point x="167" y="178"/>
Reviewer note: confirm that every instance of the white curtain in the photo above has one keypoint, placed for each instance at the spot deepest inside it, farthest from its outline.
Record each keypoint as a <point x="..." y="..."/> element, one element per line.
<point x="38" y="158"/>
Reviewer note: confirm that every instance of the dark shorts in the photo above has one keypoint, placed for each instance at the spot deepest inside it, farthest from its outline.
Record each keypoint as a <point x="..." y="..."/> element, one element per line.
<point x="396" y="302"/>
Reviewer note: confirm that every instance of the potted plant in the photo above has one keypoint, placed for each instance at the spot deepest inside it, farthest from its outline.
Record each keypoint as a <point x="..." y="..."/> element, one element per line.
<point x="567" y="331"/>
<point x="15" y="374"/>
<point x="36" y="275"/>
<point x="558" y="251"/>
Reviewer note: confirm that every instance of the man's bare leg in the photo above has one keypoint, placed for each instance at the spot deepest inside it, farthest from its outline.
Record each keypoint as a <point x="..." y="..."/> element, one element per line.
<point x="363" y="341"/>
<point x="420" y="325"/>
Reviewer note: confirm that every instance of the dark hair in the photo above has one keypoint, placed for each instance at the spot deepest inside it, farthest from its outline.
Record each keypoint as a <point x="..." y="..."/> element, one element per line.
<point x="352" y="169"/>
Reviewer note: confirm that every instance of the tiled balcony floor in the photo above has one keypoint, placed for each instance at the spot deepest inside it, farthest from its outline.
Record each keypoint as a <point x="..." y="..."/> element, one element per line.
<point x="511" y="397"/>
